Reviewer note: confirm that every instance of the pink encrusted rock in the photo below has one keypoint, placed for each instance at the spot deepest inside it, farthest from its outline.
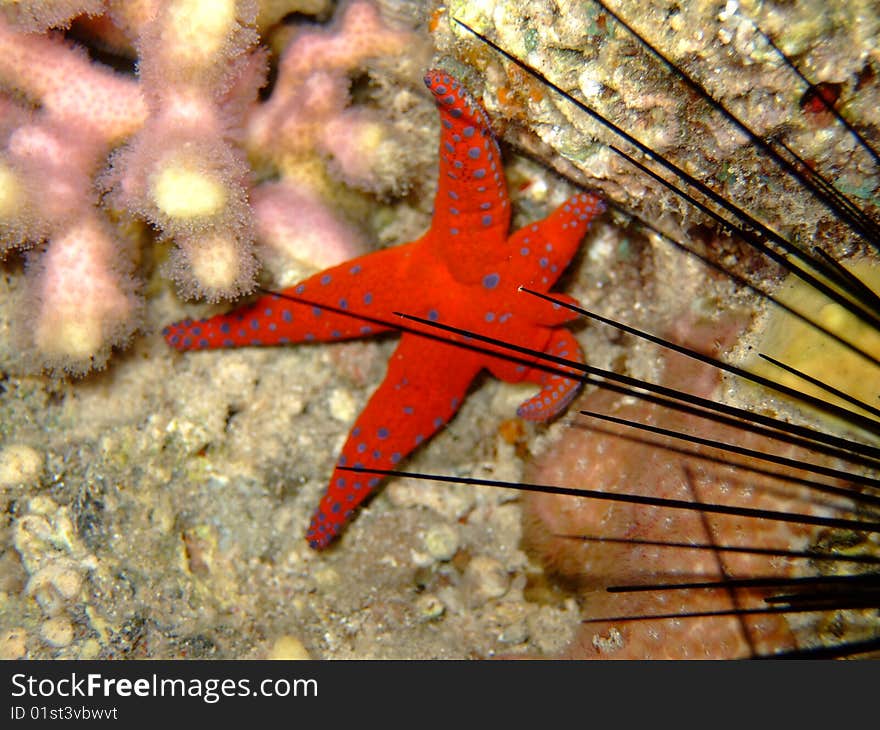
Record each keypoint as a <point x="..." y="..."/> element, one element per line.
<point x="598" y="456"/>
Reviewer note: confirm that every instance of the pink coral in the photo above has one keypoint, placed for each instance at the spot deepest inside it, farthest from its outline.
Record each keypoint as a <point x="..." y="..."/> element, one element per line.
<point x="309" y="110"/>
<point x="294" y="224"/>
<point x="184" y="145"/>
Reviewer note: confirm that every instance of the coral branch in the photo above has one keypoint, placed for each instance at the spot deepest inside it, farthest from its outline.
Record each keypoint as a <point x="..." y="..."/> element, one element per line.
<point x="87" y="154"/>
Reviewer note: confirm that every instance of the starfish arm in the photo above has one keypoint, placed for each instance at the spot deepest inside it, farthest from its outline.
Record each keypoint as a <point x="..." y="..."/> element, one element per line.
<point x="553" y="315"/>
<point x="541" y="251"/>
<point x="424" y="387"/>
<point x="556" y="391"/>
<point x="366" y="286"/>
<point x="471" y="208"/>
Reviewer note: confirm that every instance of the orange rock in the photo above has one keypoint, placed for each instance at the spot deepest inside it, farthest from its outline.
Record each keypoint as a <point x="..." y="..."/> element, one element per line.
<point x="614" y="459"/>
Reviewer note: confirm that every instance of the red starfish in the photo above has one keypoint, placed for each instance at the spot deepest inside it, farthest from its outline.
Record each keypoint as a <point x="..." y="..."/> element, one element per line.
<point x="464" y="271"/>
